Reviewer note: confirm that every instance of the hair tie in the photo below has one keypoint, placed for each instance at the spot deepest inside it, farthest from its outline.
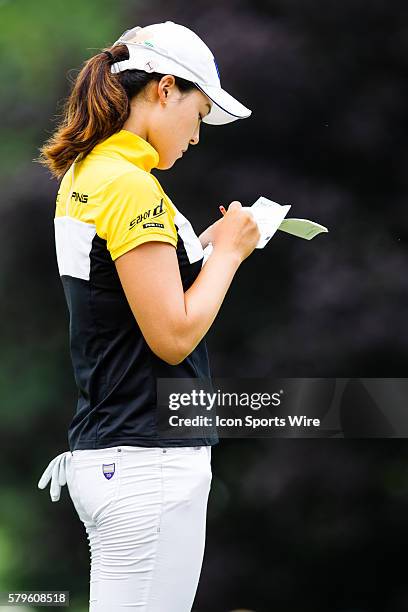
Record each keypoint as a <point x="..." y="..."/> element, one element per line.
<point x="109" y="54"/>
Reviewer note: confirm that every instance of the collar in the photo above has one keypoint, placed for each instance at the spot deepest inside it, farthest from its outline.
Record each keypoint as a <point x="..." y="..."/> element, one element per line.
<point x="132" y="147"/>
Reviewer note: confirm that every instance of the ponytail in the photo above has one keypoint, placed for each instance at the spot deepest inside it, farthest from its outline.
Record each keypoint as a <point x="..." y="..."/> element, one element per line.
<point x="96" y="108"/>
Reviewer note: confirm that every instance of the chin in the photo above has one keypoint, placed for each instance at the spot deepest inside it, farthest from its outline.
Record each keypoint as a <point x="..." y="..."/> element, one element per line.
<point x="166" y="165"/>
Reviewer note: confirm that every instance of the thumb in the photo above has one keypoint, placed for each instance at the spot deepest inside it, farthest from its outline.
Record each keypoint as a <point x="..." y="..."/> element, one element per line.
<point x="234" y="205"/>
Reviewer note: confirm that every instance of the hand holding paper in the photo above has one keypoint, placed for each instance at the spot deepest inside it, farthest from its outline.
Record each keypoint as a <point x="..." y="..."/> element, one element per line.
<point x="270" y="216"/>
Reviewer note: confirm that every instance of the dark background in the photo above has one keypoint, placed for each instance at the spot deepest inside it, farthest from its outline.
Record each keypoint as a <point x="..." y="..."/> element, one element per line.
<point x="293" y="525"/>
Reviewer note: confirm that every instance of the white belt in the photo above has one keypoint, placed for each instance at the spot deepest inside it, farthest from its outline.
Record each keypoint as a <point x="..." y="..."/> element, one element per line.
<point x="56" y="472"/>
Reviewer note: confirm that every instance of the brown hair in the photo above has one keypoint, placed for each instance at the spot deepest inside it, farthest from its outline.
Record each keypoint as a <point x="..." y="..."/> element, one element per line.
<point x="96" y="108"/>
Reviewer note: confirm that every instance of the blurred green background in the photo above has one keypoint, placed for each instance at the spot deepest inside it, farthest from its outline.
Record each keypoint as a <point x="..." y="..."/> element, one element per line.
<point x="293" y="525"/>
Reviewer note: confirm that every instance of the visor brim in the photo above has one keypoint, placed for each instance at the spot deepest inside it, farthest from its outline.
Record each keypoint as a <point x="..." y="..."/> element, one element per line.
<point x="225" y="108"/>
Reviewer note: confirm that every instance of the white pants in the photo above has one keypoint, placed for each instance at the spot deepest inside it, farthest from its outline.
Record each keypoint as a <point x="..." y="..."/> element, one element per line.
<point x="144" y="511"/>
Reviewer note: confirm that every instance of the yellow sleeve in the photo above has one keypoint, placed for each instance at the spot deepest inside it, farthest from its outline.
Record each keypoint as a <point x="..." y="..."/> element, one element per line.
<point x="133" y="211"/>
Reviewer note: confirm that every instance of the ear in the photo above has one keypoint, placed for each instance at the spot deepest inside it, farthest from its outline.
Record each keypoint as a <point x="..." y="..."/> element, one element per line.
<point x="165" y="87"/>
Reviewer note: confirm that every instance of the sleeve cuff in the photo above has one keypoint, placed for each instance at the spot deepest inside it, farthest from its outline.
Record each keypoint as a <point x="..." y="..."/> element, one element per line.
<point x="124" y="248"/>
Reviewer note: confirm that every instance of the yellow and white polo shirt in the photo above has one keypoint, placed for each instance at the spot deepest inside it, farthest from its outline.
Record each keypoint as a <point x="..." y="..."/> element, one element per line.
<point x="107" y="204"/>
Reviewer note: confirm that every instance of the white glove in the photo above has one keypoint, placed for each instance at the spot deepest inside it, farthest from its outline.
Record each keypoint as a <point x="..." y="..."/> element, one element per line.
<point x="56" y="472"/>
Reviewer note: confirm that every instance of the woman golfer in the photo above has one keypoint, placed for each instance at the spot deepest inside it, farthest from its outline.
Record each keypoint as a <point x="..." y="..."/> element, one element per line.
<point x="140" y="302"/>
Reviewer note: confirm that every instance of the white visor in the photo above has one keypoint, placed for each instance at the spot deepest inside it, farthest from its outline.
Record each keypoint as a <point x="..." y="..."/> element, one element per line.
<point x="170" y="48"/>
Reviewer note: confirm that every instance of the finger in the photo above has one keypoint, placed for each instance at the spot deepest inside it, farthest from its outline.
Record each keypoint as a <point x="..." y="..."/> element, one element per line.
<point x="45" y="478"/>
<point x="62" y="474"/>
<point x="235" y="204"/>
<point x="55" y="489"/>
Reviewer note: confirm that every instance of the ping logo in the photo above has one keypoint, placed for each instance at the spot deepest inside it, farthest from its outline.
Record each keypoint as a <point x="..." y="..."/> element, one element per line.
<point x="80" y="197"/>
<point x="148" y="214"/>
<point x="108" y="470"/>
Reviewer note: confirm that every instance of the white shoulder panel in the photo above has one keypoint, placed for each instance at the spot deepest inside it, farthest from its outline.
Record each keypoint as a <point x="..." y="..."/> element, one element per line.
<point x="73" y="243"/>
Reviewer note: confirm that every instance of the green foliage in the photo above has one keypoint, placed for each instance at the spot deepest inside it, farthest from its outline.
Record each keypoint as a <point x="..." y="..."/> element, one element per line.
<point x="42" y="45"/>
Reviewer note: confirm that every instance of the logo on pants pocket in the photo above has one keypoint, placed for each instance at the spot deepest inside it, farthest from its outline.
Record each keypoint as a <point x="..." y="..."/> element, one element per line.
<point x="108" y="470"/>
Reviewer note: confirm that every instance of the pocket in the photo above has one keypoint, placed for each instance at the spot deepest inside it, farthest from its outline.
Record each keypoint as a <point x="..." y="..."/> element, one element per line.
<point x="97" y="480"/>
<point x="186" y="476"/>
